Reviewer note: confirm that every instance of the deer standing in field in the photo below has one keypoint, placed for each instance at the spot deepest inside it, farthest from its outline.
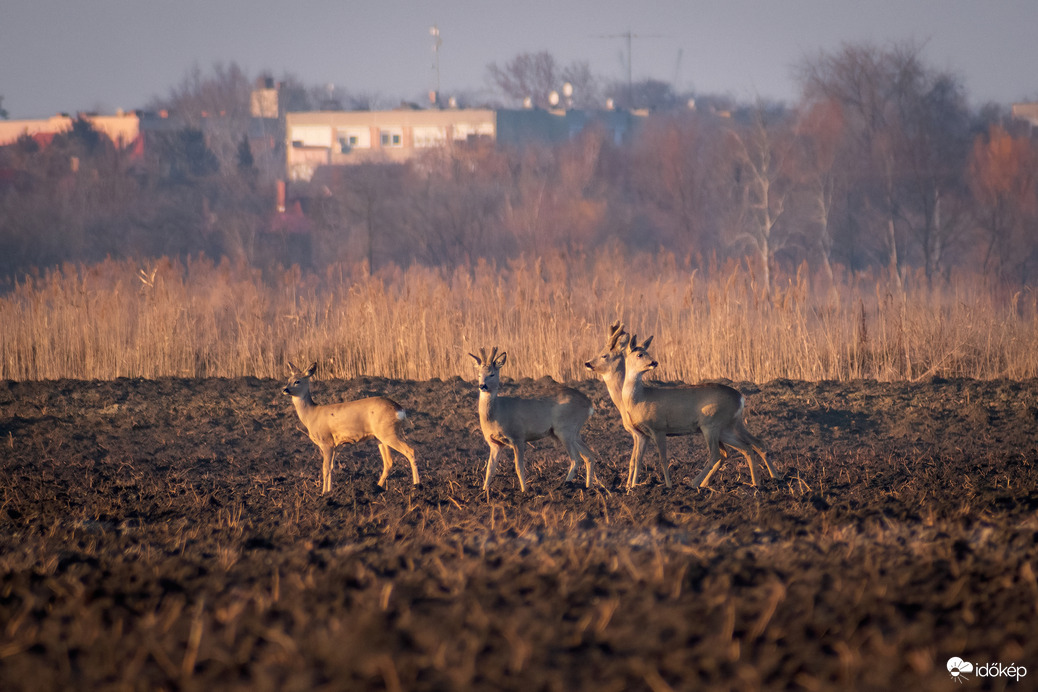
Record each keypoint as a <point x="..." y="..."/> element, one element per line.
<point x="657" y="412"/>
<point x="512" y="421"/>
<point x="609" y="365"/>
<point x="347" y="423"/>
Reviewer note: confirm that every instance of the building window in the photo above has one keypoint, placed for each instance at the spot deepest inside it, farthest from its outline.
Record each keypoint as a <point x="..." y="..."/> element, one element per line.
<point x="425" y="137"/>
<point x="469" y="132"/>
<point x="392" y="138"/>
<point x="347" y="143"/>
<point x="351" y="138"/>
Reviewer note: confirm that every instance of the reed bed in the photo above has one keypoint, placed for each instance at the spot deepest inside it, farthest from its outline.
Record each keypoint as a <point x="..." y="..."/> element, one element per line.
<point x="198" y="318"/>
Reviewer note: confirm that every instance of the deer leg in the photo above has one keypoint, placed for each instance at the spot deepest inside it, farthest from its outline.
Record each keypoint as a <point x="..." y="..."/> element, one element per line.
<point x="408" y="451"/>
<point x="387" y="463"/>
<point x="713" y="444"/>
<point x="574" y="458"/>
<point x="767" y="464"/>
<point x="661" y="446"/>
<point x="640" y="442"/>
<point x="520" y="464"/>
<point x="495" y="451"/>
<point x="731" y="439"/>
<point x="632" y="468"/>
<point x="328" y="455"/>
<point x="589" y="461"/>
<point x="711" y="472"/>
<point x="757" y="446"/>
<point x="578" y="451"/>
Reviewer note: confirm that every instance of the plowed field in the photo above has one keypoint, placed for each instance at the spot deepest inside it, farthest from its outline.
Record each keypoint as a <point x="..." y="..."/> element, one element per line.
<point x="170" y="534"/>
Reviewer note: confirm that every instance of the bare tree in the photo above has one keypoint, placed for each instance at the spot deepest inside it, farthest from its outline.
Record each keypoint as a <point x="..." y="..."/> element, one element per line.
<point x="537" y="75"/>
<point x="761" y="156"/>
<point x="551" y="198"/>
<point x="362" y="213"/>
<point x="673" y="179"/>
<point x="863" y="79"/>
<point x="820" y="177"/>
<point x="215" y="103"/>
<point x="1003" y="177"/>
<point x="906" y="126"/>
<point x="455" y="209"/>
<point x="652" y="94"/>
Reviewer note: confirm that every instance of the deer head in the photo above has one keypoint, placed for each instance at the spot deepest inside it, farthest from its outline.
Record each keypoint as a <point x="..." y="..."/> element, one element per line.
<point x="636" y="356"/>
<point x="489" y="368"/>
<point x="299" y="382"/>
<point x="610" y="361"/>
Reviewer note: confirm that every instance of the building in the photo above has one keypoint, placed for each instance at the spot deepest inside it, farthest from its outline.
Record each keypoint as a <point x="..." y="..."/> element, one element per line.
<point x="518" y="127"/>
<point x="1026" y="113"/>
<point x="138" y="131"/>
<point x="342" y="138"/>
<point x="123" y="129"/>
<point x="265" y="99"/>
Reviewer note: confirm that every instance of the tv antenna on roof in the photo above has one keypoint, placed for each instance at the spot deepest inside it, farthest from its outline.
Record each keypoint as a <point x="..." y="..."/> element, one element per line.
<point x="629" y="35"/>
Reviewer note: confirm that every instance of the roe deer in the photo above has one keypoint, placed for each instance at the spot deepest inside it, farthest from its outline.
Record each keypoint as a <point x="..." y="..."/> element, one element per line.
<point x="512" y="422"/>
<point x="609" y="365"/>
<point x="656" y="412"/>
<point x="353" y="421"/>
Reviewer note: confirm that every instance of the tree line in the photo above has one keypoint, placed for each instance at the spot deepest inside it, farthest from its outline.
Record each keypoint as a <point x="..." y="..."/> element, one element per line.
<point x="880" y="165"/>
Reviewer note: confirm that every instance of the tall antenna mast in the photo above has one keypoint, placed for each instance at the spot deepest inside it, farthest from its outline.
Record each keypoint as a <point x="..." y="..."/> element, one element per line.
<point x="629" y="35"/>
<point x="434" y="31"/>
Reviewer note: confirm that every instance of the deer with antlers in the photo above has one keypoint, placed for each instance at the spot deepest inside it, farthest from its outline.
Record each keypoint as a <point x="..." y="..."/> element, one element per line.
<point x="609" y="366"/>
<point x="513" y="421"/>
<point x="348" y="423"/>
<point x="654" y="413"/>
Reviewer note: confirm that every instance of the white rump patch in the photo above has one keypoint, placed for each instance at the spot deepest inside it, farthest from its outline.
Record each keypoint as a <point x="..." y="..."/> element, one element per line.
<point x="401" y="414"/>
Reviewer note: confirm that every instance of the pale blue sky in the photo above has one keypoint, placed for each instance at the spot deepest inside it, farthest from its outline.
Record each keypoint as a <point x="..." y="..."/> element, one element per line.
<point x="70" y="55"/>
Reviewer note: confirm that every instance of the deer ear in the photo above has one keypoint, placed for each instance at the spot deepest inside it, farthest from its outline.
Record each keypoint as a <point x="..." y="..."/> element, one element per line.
<point x="501" y="359"/>
<point x="292" y="369"/>
<point x="311" y="370"/>
<point x="479" y="361"/>
<point x="622" y="340"/>
<point x="647" y="342"/>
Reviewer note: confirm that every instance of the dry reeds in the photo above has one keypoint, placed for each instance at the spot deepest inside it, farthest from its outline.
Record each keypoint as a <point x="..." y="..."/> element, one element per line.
<point x="201" y="319"/>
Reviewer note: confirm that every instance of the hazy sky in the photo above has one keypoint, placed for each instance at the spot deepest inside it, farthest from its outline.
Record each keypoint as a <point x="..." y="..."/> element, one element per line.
<point x="71" y="55"/>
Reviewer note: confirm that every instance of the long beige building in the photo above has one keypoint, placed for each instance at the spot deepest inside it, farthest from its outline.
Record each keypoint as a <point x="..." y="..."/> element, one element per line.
<point x="337" y="138"/>
<point x="122" y="128"/>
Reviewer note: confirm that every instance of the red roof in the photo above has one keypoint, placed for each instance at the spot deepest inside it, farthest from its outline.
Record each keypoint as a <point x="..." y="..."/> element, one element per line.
<point x="291" y="221"/>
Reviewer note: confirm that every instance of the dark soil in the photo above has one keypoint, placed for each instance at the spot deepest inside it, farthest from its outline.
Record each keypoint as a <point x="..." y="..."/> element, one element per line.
<point x="170" y="534"/>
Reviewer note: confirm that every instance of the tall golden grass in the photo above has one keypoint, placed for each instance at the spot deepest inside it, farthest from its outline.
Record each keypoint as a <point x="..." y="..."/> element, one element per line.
<point x="202" y="319"/>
